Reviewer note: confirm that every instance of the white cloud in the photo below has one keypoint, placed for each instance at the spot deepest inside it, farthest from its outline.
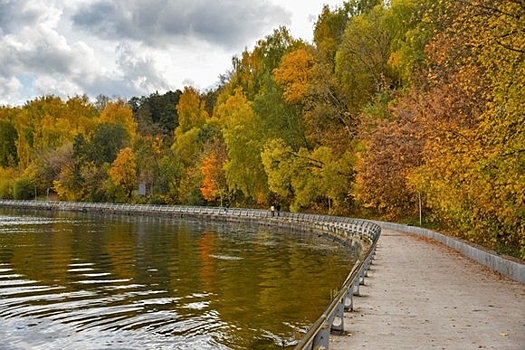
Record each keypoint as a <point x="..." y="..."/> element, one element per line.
<point x="10" y="90"/>
<point x="132" y="48"/>
<point x="140" y="69"/>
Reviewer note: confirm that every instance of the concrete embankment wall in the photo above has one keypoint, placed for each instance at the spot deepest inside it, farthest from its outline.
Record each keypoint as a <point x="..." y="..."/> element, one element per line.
<point x="509" y="268"/>
<point x="351" y="233"/>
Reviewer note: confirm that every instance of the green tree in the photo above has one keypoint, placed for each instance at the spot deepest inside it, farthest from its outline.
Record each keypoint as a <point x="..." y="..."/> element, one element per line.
<point x="148" y="152"/>
<point x="362" y="60"/>
<point x="316" y="180"/>
<point x="8" y="139"/>
<point x="168" y="179"/>
<point x="7" y="179"/>
<point x="156" y="114"/>
<point x="108" y="139"/>
<point x="326" y="116"/>
<point x="23" y="188"/>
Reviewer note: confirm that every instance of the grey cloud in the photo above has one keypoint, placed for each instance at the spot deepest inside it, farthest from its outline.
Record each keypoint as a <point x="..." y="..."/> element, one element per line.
<point x="99" y="17"/>
<point x="108" y="86"/>
<point x="13" y="16"/>
<point x="228" y="24"/>
<point x="48" y="60"/>
<point x="41" y="56"/>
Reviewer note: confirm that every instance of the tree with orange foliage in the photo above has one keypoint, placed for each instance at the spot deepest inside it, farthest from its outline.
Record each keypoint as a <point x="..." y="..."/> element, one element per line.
<point x="213" y="184"/>
<point x="211" y="181"/>
<point x="294" y="74"/>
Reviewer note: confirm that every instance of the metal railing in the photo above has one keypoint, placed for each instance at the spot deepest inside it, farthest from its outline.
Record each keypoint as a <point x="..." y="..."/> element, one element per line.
<point x="332" y="319"/>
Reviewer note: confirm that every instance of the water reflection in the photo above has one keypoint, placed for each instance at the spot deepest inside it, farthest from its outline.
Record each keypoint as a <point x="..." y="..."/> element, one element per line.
<point x="83" y="281"/>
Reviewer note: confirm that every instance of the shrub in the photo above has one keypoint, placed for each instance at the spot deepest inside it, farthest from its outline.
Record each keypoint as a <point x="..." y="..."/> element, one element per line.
<point x="23" y="189"/>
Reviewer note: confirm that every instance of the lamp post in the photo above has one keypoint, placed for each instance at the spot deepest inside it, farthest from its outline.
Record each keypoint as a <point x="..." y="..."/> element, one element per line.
<point x="219" y="189"/>
<point x="420" y="209"/>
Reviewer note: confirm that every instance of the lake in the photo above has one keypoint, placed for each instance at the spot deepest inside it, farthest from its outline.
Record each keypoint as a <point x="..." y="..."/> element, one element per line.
<point x="85" y="281"/>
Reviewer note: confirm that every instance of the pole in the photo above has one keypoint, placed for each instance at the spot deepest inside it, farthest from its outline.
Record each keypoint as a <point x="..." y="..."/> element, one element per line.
<point x="420" y="210"/>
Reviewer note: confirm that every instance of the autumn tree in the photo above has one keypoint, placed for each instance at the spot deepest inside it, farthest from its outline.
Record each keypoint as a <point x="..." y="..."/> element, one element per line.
<point x="387" y="47"/>
<point x="123" y="171"/>
<point x="191" y="110"/>
<point x="294" y="74"/>
<point x="469" y="115"/>
<point x="388" y="153"/>
<point x="391" y="100"/>
<point x="241" y="131"/>
<point x="326" y="116"/>
<point x="119" y="113"/>
<point x="53" y="122"/>
<point x="49" y="164"/>
<point x="191" y="135"/>
<point x="81" y="116"/>
<point x="210" y="172"/>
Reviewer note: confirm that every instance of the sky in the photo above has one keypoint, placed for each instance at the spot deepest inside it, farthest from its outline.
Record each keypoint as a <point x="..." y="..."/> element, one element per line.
<point x="122" y="49"/>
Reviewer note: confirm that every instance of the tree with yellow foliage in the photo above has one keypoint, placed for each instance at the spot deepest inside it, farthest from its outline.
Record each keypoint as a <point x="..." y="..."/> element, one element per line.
<point x="192" y="111"/>
<point x="119" y="113"/>
<point x="123" y="172"/>
<point x="241" y="131"/>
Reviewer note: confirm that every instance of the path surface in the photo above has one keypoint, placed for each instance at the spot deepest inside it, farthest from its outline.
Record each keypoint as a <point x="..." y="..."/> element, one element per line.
<point x="420" y="294"/>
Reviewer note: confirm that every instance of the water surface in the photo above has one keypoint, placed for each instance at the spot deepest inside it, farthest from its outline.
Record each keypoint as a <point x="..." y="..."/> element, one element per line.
<point x="83" y="281"/>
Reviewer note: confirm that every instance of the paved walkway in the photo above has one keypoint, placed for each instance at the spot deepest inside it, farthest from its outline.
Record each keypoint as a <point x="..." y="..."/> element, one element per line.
<point x="422" y="295"/>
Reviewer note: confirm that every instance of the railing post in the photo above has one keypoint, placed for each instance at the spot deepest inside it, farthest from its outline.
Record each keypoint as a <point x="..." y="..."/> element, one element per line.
<point x="322" y="338"/>
<point x="338" y="323"/>
<point x="355" y="286"/>
<point x="348" y="300"/>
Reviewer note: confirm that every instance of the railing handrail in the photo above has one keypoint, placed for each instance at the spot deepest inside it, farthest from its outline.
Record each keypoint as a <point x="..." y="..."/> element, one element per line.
<point x="320" y="324"/>
<point x="324" y="322"/>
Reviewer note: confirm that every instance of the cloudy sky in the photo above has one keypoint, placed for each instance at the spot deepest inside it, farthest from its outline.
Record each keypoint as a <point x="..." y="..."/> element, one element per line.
<point x="131" y="48"/>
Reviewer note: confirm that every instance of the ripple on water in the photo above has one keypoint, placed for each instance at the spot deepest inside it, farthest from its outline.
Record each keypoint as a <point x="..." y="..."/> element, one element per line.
<point x="99" y="282"/>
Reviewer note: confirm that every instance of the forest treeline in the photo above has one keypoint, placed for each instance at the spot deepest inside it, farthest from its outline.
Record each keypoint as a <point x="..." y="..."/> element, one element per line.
<point x="393" y="104"/>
